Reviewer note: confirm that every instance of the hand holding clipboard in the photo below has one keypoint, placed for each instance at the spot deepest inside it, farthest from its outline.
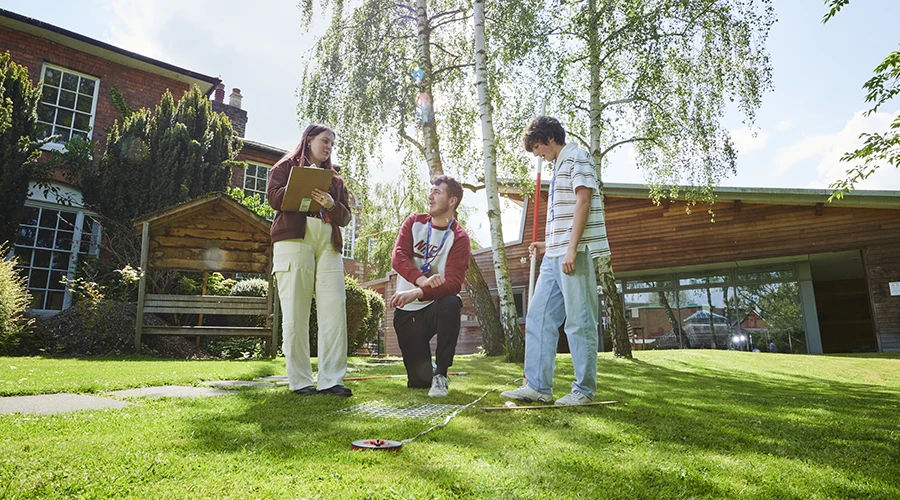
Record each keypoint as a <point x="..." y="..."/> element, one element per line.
<point x="301" y="182"/>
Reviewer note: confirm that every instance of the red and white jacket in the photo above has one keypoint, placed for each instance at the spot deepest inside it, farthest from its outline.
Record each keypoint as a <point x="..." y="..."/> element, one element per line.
<point x="451" y="260"/>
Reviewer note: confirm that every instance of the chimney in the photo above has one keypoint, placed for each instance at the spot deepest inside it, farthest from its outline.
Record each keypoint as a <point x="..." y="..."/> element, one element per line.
<point x="235" y="98"/>
<point x="232" y="110"/>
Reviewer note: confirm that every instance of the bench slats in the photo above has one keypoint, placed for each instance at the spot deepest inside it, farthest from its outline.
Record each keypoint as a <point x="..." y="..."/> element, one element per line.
<point x="228" y="331"/>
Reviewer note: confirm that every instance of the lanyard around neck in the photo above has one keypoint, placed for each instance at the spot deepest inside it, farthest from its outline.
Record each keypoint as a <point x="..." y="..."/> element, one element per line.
<point x="428" y="242"/>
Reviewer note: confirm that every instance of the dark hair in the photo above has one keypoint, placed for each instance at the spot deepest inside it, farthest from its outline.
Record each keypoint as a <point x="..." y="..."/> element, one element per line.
<point x="299" y="153"/>
<point x="541" y="130"/>
<point x="453" y="187"/>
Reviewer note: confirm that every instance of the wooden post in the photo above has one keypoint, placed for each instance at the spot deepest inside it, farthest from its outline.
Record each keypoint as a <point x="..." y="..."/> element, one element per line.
<point x="142" y="284"/>
<point x="200" y="316"/>
<point x="276" y="314"/>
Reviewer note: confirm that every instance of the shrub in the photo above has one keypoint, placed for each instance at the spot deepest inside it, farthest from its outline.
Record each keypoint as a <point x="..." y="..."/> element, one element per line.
<point x="14" y="298"/>
<point x="369" y="331"/>
<point x="242" y="347"/>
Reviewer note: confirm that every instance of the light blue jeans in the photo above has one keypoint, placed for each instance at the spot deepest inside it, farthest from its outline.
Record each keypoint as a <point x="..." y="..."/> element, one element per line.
<point x="562" y="297"/>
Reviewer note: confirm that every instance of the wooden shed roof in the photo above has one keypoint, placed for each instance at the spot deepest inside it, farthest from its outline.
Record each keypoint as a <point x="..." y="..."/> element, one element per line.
<point x="176" y="214"/>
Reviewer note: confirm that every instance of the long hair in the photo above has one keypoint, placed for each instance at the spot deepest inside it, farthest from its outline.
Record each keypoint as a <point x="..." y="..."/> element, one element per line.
<point x="299" y="155"/>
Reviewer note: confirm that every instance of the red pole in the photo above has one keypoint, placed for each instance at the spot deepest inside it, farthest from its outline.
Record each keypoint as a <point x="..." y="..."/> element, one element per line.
<point x="537" y="205"/>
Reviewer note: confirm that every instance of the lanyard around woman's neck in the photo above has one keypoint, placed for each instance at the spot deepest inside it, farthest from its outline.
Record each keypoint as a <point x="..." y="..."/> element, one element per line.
<point x="426" y="267"/>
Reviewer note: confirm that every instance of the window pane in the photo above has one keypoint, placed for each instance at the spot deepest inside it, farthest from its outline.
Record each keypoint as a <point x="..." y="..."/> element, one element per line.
<point x="774" y="275"/>
<point x="31" y="216"/>
<point x="67" y="99"/>
<point x="49" y="94"/>
<point x="60" y="260"/>
<point x="55" y="301"/>
<point x="52" y="77"/>
<point x="63" y="240"/>
<point x="37" y="299"/>
<point x="23" y="255"/>
<point x="67" y="220"/>
<point x="48" y="218"/>
<point x="708" y="317"/>
<point x="70" y="81"/>
<point x="85" y="103"/>
<point x="56" y="280"/>
<point x="25" y="236"/>
<point x="261" y="185"/>
<point x="648" y="283"/>
<point x="648" y="315"/>
<point x="43" y="130"/>
<point x="63" y="133"/>
<point x="45" y="238"/>
<point x="86" y="86"/>
<point x="38" y="278"/>
<point x="42" y="258"/>
<point x="46" y="113"/>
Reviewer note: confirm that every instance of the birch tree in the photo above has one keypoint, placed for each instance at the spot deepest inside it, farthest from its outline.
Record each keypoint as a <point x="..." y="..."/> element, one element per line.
<point x="655" y="75"/>
<point x="515" y="345"/>
<point x="387" y="67"/>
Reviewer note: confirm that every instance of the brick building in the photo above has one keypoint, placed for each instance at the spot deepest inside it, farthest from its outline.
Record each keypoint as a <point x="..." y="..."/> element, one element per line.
<point x="80" y="76"/>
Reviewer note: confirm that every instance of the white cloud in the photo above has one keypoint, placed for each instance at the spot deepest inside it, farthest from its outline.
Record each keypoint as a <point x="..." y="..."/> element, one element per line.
<point x="784" y="126"/>
<point x="830" y="168"/>
<point x="746" y="140"/>
<point x="805" y="148"/>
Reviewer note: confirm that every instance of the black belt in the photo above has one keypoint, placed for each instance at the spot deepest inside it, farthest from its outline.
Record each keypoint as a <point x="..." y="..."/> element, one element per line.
<point x="317" y="215"/>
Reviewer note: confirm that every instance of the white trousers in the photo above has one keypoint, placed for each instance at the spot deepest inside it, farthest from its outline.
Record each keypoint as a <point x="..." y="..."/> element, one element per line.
<point x="304" y="268"/>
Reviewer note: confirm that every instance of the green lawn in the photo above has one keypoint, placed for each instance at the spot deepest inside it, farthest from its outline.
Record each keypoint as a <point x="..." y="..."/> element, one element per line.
<point x="689" y="424"/>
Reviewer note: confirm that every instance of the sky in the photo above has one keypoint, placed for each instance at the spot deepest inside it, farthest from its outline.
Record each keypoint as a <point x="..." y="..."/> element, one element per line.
<point x="813" y="115"/>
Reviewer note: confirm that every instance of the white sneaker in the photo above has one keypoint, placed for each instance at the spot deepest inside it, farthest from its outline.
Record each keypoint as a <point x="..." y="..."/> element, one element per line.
<point x="526" y="394"/>
<point x="439" y="386"/>
<point x="572" y="399"/>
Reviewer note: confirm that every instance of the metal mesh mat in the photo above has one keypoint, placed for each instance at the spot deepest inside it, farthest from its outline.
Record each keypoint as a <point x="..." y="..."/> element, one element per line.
<point x="379" y="409"/>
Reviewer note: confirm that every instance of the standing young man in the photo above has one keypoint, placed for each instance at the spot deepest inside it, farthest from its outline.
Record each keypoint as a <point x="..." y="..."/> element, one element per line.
<point x="566" y="288"/>
<point x="431" y="257"/>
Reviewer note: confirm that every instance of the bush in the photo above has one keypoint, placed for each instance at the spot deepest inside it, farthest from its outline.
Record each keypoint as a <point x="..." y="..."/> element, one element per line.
<point x="369" y="332"/>
<point x="242" y="347"/>
<point x="14" y="298"/>
<point x="101" y="328"/>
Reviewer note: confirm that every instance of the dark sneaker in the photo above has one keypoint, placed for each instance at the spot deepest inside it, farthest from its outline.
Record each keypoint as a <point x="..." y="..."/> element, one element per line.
<point x="305" y="391"/>
<point x="337" y="390"/>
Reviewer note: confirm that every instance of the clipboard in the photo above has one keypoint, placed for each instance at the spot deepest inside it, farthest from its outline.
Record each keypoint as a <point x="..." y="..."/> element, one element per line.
<point x="301" y="182"/>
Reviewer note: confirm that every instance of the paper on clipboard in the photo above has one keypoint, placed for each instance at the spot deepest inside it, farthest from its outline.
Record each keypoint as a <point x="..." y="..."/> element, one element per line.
<point x="301" y="182"/>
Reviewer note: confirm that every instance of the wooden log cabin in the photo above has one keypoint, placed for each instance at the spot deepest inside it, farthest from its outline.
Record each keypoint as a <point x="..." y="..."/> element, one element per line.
<point x="775" y="269"/>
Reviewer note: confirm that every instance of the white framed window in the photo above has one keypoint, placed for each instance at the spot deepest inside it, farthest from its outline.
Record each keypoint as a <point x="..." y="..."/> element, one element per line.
<point x="349" y="234"/>
<point x="255" y="179"/>
<point x="68" y="104"/>
<point x="47" y="245"/>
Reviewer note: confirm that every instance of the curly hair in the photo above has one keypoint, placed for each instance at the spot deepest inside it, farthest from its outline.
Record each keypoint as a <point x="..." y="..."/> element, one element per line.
<point x="541" y="130"/>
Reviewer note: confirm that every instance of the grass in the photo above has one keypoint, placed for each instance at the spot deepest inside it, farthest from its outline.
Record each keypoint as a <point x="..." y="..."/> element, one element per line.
<point x="689" y="424"/>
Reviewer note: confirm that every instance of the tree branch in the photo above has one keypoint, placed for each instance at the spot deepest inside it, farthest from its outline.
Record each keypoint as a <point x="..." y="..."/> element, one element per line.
<point x="626" y="141"/>
<point x="402" y="132"/>
<point x="450" y="68"/>
<point x="448" y="21"/>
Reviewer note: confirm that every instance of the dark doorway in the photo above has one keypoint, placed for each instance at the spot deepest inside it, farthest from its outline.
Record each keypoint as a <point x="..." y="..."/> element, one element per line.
<point x="842" y="302"/>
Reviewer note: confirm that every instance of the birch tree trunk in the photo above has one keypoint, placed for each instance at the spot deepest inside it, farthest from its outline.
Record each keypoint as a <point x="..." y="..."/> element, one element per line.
<point x="476" y="286"/>
<point x="615" y="309"/>
<point x="515" y="345"/>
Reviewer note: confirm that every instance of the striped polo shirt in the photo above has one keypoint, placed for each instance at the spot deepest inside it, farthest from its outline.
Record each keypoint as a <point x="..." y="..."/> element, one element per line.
<point x="574" y="167"/>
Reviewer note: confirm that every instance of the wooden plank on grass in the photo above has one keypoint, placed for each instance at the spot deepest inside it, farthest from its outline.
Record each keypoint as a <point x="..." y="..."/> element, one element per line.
<point x="544" y="407"/>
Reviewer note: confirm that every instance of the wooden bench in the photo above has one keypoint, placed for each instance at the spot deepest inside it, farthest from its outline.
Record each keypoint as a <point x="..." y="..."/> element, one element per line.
<point x="208" y="304"/>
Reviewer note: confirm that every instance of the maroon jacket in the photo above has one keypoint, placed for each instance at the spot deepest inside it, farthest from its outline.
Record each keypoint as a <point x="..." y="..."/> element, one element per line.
<point x="289" y="225"/>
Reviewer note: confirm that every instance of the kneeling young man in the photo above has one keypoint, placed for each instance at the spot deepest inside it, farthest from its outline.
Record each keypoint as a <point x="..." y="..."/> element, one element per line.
<point x="431" y="257"/>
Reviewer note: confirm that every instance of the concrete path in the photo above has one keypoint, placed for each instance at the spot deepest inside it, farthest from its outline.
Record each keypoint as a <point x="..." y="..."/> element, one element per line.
<point x="60" y="403"/>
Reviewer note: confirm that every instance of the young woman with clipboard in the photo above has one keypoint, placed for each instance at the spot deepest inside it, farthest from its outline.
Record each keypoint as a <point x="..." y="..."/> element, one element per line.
<point x="307" y="260"/>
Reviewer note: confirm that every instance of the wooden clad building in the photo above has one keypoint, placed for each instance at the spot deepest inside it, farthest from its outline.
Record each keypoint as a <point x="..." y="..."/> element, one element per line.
<point x="771" y="268"/>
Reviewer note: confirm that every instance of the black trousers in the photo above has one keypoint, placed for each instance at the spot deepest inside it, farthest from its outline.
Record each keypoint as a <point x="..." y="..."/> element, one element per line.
<point x="415" y="330"/>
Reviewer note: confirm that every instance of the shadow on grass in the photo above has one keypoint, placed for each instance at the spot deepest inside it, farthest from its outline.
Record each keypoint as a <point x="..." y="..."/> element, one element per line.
<point x="680" y="427"/>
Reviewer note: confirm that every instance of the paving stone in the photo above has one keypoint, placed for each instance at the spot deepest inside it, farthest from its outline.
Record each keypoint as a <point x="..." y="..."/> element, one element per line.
<point x="236" y="383"/>
<point x="57" y="403"/>
<point x="169" y="391"/>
